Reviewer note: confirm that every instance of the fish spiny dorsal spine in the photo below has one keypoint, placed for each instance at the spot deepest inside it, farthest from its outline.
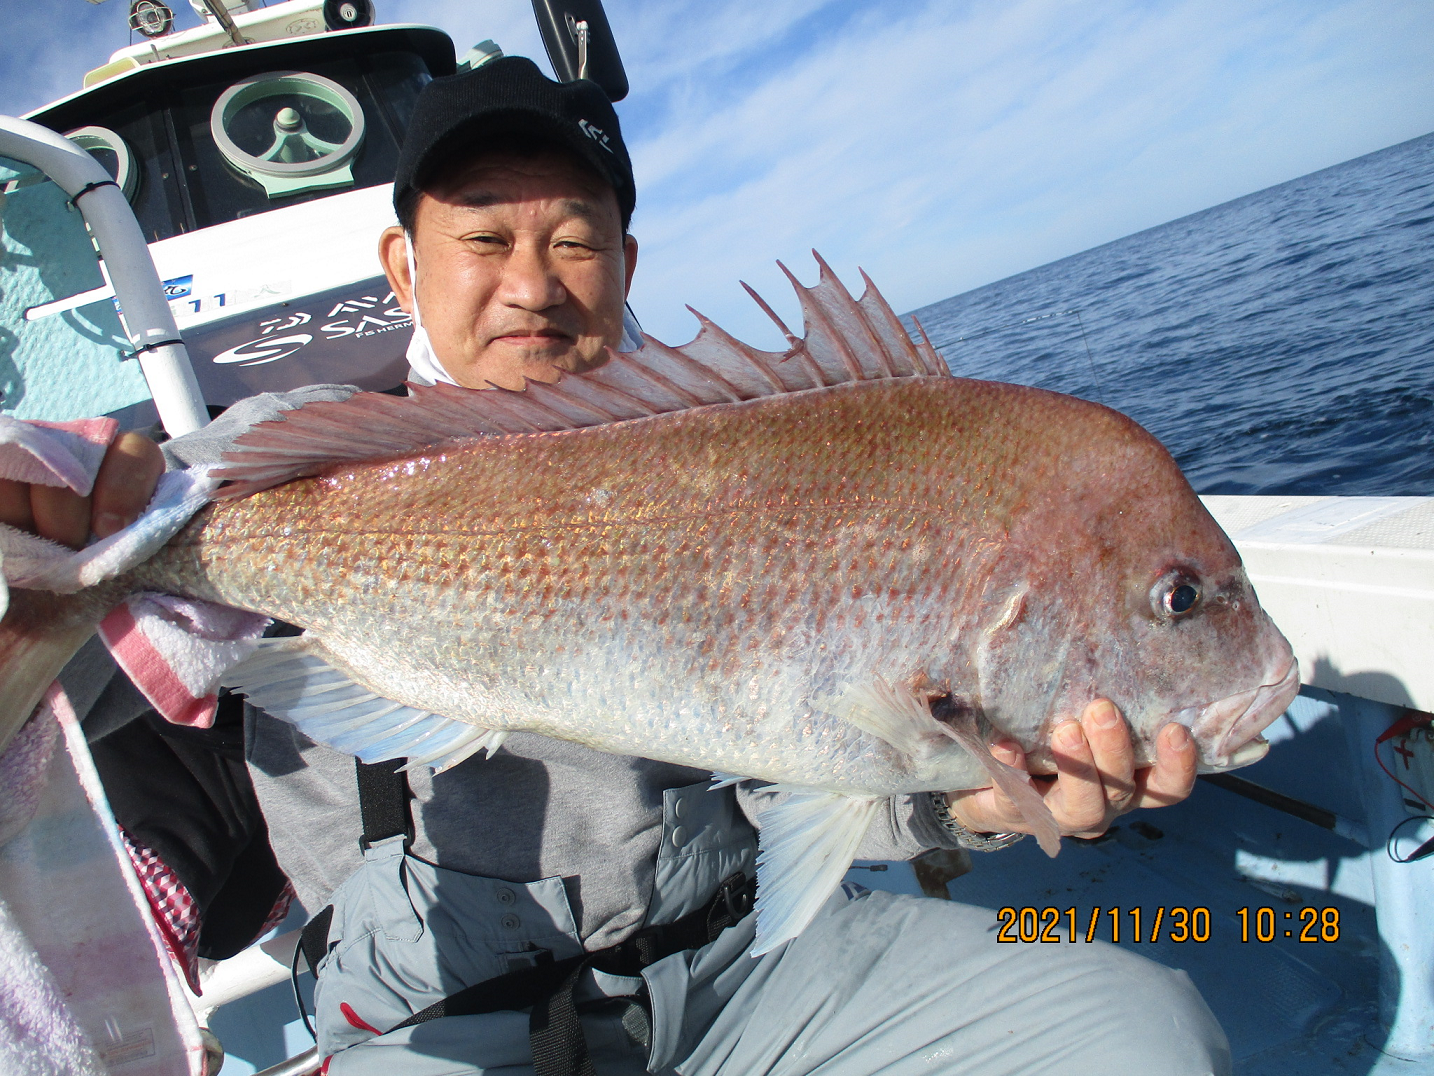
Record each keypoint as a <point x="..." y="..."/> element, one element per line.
<point x="847" y="340"/>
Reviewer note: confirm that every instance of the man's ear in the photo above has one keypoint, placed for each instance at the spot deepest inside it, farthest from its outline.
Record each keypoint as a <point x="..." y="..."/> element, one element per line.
<point x="393" y="256"/>
<point x="629" y="257"/>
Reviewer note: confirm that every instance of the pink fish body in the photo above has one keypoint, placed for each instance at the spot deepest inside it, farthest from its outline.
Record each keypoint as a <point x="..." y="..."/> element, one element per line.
<point x="838" y="569"/>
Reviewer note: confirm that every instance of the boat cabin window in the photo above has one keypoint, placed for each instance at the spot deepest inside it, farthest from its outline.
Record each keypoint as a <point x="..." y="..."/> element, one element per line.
<point x="185" y="181"/>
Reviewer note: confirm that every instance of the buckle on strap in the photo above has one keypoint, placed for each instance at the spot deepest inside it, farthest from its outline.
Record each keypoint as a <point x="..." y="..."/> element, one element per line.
<point x="731" y="903"/>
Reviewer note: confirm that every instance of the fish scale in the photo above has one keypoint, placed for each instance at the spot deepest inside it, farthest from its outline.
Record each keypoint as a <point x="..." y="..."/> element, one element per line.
<point x="733" y="544"/>
<point x="697" y="568"/>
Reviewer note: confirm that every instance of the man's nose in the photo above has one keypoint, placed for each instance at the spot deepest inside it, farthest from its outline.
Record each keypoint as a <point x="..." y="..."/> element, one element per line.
<point x="530" y="280"/>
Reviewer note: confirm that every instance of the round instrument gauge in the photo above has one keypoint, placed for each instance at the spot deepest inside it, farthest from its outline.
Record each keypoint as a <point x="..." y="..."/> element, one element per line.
<point x="290" y="131"/>
<point x="112" y="152"/>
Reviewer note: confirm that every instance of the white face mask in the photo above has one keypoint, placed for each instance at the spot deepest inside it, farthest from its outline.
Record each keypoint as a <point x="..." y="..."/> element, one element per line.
<point x="425" y="369"/>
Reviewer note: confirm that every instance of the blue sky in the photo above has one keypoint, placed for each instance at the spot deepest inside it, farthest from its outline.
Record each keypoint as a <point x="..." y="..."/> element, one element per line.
<point x="940" y="145"/>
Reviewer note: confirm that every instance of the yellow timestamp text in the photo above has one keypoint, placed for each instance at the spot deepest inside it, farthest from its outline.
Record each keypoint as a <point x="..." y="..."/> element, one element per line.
<point x="1161" y="923"/>
<point x="1305" y="925"/>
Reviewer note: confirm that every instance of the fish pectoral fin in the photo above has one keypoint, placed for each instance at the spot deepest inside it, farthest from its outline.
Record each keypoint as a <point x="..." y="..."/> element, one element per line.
<point x="902" y="717"/>
<point x="1016" y="784"/>
<point x="899" y="716"/>
<point x="297" y="681"/>
<point x="808" y="841"/>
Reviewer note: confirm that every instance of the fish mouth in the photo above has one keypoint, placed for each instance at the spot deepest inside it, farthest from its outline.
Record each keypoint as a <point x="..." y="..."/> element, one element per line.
<point x="1233" y="724"/>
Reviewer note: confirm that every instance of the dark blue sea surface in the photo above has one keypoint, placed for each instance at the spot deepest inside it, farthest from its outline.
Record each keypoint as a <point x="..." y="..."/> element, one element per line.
<point x="1282" y="343"/>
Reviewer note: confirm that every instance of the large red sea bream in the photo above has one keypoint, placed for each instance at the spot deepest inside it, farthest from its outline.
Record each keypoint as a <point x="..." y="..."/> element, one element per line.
<point x="837" y="568"/>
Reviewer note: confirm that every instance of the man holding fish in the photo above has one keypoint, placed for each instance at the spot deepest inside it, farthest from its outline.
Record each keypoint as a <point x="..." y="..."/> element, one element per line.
<point x="610" y="894"/>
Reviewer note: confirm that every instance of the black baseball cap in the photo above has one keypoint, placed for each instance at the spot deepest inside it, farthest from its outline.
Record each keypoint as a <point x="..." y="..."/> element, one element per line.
<point x="510" y="95"/>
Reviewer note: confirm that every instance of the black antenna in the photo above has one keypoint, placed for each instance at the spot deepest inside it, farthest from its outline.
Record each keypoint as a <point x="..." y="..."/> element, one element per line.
<point x="580" y="44"/>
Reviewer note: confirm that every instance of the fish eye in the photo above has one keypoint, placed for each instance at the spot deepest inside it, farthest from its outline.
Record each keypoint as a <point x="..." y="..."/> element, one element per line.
<point x="1177" y="594"/>
<point x="1181" y="599"/>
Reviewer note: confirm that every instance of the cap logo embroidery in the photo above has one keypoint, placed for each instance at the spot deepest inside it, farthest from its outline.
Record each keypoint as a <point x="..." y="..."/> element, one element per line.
<point x="595" y="133"/>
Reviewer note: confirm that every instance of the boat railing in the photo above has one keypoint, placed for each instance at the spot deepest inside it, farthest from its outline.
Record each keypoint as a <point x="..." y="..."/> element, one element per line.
<point x="126" y="263"/>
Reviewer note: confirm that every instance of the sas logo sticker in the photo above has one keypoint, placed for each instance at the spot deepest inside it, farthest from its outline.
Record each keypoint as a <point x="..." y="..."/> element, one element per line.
<point x="265" y="349"/>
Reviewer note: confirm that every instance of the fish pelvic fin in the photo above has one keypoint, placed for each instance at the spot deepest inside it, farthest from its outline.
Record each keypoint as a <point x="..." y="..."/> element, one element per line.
<point x="846" y="340"/>
<point x="903" y="718"/>
<point x="297" y="680"/>
<point x="807" y="842"/>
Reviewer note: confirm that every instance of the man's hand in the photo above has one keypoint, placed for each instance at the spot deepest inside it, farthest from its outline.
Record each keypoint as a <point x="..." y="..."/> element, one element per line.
<point x="1096" y="779"/>
<point x="124" y="485"/>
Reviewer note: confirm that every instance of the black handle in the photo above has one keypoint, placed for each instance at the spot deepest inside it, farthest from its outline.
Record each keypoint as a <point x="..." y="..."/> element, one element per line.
<point x="559" y="21"/>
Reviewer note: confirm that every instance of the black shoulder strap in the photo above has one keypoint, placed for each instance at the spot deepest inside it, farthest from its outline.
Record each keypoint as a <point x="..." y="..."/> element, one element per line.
<point x="314" y="939"/>
<point x="383" y="804"/>
<point x="383" y="801"/>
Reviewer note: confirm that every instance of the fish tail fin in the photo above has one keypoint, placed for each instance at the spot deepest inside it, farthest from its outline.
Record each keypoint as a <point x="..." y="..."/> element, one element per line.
<point x="39" y="634"/>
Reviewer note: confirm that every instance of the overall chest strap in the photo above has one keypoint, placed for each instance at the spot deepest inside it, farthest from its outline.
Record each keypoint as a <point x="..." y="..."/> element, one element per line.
<point x="546" y="988"/>
<point x="384" y="812"/>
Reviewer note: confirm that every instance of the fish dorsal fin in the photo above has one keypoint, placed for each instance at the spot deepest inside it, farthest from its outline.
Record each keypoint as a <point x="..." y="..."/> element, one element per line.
<point x="847" y="340"/>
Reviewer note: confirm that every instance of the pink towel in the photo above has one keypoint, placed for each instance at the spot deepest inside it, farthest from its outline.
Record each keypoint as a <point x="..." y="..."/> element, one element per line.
<point x="85" y="985"/>
<point x="174" y="649"/>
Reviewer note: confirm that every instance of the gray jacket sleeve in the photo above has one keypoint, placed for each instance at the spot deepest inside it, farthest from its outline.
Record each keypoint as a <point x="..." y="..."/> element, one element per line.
<point x="904" y="829"/>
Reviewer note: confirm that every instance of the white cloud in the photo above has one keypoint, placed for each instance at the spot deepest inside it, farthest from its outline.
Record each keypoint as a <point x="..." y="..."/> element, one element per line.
<point x="51" y="44"/>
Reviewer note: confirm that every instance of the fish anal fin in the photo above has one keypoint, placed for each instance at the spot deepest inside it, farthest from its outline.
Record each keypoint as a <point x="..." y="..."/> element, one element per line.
<point x="846" y="340"/>
<point x="298" y="681"/>
<point x="808" y="841"/>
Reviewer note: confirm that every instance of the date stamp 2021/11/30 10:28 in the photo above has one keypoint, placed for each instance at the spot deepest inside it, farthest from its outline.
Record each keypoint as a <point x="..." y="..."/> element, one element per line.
<point x="1173" y="924"/>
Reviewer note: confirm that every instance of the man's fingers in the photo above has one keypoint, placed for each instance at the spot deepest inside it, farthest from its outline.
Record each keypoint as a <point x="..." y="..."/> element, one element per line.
<point x="15" y="505"/>
<point x="1173" y="775"/>
<point x="1109" y="740"/>
<point x="1079" y="804"/>
<point x="124" y="485"/>
<point x="61" y="515"/>
<point x="125" y="482"/>
<point x="989" y="810"/>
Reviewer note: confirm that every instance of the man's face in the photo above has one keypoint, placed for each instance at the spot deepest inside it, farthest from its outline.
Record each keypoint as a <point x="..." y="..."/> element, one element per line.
<point x="522" y="268"/>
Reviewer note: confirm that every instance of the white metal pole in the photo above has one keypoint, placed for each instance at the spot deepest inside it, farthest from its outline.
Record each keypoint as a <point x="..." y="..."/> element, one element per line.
<point x="147" y="316"/>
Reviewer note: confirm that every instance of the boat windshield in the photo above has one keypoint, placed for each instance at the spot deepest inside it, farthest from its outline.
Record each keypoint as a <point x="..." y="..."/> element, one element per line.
<point x="181" y="179"/>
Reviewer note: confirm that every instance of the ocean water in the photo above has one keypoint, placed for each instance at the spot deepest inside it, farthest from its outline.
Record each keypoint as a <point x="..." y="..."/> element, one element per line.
<point x="1282" y="343"/>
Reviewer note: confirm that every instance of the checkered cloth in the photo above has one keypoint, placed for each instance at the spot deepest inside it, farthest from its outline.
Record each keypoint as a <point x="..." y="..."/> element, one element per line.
<point x="176" y="913"/>
<point x="174" y="910"/>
